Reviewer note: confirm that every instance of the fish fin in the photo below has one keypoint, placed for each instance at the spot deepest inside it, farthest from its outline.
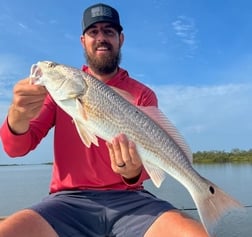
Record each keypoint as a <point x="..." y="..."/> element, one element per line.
<point x="86" y="136"/>
<point x="159" y="117"/>
<point x="213" y="206"/>
<point x="80" y="109"/>
<point x="156" y="174"/>
<point x="126" y="95"/>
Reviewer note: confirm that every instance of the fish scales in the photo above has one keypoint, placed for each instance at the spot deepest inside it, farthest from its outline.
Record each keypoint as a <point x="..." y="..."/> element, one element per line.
<point x="155" y="142"/>
<point x="138" y="127"/>
<point x="99" y="110"/>
<point x="113" y="108"/>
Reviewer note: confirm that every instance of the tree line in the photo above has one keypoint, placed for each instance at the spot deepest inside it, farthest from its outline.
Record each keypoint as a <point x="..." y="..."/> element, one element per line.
<point x="235" y="155"/>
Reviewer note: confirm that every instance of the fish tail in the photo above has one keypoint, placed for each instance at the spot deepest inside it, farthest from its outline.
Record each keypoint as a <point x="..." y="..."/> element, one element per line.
<point x="213" y="206"/>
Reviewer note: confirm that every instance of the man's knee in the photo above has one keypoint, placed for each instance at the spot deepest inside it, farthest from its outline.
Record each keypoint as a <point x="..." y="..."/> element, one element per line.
<point x="175" y="223"/>
<point x="26" y="223"/>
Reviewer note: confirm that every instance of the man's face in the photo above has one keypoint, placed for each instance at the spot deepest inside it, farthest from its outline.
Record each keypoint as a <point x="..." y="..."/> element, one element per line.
<point x="102" y="44"/>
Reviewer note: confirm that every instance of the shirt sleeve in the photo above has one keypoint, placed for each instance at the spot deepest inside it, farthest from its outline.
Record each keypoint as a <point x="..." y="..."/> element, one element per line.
<point x="14" y="145"/>
<point x="148" y="98"/>
<point x="139" y="181"/>
<point x="19" y="145"/>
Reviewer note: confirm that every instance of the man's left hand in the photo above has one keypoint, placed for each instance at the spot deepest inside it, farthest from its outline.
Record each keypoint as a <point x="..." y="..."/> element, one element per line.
<point x="124" y="157"/>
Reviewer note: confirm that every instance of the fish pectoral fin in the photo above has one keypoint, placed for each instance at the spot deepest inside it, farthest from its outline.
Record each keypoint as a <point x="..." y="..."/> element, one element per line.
<point x="156" y="174"/>
<point x="86" y="136"/>
<point x="80" y="109"/>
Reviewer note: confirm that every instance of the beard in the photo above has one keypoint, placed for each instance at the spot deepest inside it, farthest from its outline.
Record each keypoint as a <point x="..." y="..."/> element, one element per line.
<point x="107" y="63"/>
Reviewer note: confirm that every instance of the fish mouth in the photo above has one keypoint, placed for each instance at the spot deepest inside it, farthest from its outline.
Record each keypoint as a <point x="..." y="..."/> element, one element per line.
<point x="35" y="74"/>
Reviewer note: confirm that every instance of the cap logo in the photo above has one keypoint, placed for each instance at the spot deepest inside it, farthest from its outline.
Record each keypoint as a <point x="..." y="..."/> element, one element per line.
<point x="101" y="11"/>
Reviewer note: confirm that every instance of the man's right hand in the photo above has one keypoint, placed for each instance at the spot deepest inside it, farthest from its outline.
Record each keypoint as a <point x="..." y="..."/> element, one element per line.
<point x="26" y="104"/>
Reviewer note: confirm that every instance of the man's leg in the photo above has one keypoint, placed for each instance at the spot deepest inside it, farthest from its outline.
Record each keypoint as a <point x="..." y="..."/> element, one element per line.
<point x="26" y="223"/>
<point x="176" y="224"/>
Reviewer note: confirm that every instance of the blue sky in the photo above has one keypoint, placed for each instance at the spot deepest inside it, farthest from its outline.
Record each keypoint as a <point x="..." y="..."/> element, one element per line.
<point x="196" y="55"/>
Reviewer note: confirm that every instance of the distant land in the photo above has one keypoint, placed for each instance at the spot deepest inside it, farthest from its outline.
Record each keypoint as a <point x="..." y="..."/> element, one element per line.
<point x="201" y="157"/>
<point x="235" y="155"/>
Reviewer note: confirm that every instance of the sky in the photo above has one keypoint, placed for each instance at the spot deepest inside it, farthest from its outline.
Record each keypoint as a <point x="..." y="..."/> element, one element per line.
<point x="196" y="55"/>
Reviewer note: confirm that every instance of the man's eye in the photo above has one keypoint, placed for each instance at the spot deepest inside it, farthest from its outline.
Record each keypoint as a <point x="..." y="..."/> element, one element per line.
<point x="92" y="32"/>
<point x="109" y="32"/>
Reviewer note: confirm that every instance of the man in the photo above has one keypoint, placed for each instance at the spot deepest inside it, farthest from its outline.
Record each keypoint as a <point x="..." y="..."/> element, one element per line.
<point x="94" y="191"/>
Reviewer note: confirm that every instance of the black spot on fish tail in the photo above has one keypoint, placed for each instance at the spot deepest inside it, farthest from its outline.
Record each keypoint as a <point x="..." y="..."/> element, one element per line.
<point x="211" y="189"/>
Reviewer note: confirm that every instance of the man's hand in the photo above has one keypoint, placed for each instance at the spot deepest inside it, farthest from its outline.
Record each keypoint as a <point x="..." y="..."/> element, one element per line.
<point x="124" y="157"/>
<point x="26" y="105"/>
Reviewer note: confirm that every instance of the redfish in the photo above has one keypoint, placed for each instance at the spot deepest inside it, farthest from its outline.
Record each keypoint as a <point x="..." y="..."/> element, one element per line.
<point x="99" y="110"/>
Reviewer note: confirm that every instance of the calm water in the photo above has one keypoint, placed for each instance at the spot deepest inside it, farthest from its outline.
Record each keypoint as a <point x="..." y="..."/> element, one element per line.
<point x="22" y="186"/>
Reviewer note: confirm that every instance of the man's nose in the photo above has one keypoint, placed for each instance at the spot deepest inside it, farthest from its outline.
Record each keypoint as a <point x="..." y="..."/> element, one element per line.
<point x="101" y="35"/>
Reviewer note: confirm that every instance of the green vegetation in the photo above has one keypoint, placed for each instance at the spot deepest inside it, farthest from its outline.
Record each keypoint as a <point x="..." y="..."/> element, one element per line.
<point x="204" y="157"/>
<point x="235" y="155"/>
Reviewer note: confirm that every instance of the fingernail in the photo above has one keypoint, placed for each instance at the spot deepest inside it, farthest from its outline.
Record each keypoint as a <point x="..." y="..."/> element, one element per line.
<point x="122" y="138"/>
<point x="114" y="141"/>
<point x="131" y="144"/>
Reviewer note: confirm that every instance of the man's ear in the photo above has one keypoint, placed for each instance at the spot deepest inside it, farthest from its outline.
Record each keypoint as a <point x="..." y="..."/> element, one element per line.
<point x="121" y="39"/>
<point x="82" y="40"/>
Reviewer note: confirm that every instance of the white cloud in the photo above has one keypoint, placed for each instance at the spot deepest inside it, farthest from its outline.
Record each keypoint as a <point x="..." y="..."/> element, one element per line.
<point x="186" y="31"/>
<point x="185" y="28"/>
<point x="23" y="26"/>
<point x="213" y="117"/>
<point x="210" y="117"/>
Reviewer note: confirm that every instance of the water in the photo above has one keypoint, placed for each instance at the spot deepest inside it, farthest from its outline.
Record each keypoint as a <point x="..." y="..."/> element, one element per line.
<point x="22" y="186"/>
<point x="232" y="178"/>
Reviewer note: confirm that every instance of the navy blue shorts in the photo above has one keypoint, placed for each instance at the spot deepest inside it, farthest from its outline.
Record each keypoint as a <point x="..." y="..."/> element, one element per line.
<point x="101" y="213"/>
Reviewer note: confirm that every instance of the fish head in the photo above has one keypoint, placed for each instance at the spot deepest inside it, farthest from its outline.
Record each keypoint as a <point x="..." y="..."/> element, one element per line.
<point x="61" y="81"/>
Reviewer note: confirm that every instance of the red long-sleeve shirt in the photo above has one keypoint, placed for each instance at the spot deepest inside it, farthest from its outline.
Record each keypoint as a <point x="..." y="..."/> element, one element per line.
<point x="75" y="166"/>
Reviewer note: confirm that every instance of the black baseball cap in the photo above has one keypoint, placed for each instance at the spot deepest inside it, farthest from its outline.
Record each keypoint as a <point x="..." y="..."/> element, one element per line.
<point x="100" y="13"/>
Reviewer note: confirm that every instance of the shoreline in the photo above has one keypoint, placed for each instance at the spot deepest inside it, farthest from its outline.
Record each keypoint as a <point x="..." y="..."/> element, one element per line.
<point x="200" y="157"/>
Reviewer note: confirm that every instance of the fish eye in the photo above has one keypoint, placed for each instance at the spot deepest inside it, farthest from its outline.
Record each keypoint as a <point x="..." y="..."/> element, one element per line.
<point x="51" y="64"/>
